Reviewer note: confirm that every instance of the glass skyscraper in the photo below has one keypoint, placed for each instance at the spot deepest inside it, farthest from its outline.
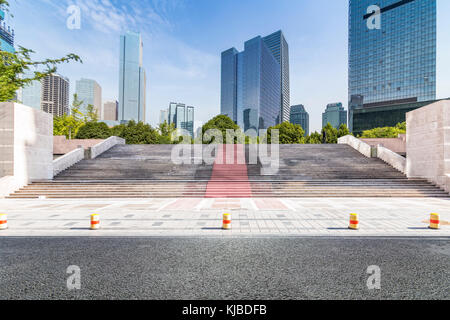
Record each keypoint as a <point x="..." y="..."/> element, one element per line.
<point x="182" y="116"/>
<point x="6" y="33"/>
<point x="255" y="83"/>
<point x="334" y="115"/>
<point x="132" y="79"/>
<point x="298" y="115"/>
<point x="90" y="92"/>
<point x="392" y="56"/>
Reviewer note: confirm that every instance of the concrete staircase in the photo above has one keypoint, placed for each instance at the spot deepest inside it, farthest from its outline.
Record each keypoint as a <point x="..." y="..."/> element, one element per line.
<point x="128" y="171"/>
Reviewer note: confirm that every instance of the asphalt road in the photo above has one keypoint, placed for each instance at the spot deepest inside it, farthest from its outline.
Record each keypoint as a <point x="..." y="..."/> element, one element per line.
<point x="214" y="268"/>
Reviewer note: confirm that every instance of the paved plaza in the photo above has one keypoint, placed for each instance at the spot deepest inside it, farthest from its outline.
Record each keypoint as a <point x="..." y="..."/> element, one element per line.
<point x="203" y="217"/>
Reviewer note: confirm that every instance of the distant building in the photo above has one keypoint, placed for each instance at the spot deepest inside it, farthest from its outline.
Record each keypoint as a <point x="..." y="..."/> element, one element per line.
<point x="30" y="95"/>
<point x="182" y="116"/>
<point x="6" y="33"/>
<point x="164" y="116"/>
<point x="132" y="79"/>
<point x="255" y="82"/>
<point x="298" y="115"/>
<point x="110" y="111"/>
<point x="55" y="94"/>
<point x="90" y="92"/>
<point x="335" y="115"/>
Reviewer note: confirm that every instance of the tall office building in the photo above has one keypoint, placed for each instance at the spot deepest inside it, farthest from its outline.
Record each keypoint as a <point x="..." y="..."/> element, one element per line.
<point x="90" y="92"/>
<point x="280" y="49"/>
<point x="298" y="115"/>
<point x="334" y="115"/>
<point x="55" y="95"/>
<point x="132" y="79"/>
<point x="182" y="116"/>
<point x="164" y="116"/>
<point x="392" y="56"/>
<point x="6" y="33"/>
<point x="255" y="83"/>
<point x="31" y="94"/>
<point x="110" y="110"/>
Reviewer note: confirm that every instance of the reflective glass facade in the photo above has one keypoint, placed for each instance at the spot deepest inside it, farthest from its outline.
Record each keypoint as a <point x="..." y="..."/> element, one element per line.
<point x="90" y="92"/>
<point x="396" y="61"/>
<point x="6" y="34"/>
<point x="334" y="115"/>
<point x="132" y="79"/>
<point x="298" y="115"/>
<point x="251" y="85"/>
<point x="182" y="116"/>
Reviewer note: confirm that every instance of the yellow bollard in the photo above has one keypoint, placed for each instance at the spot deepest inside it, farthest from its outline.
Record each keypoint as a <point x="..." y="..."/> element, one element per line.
<point x="95" y="221"/>
<point x="226" y="221"/>
<point x="3" y="222"/>
<point x="435" y="222"/>
<point x="354" y="221"/>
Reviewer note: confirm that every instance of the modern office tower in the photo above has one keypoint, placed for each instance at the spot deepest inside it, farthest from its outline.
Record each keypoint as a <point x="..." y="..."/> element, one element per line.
<point x="6" y="33"/>
<point x="30" y="95"/>
<point x="182" y="116"/>
<point x="280" y="49"/>
<point x="298" y="115"/>
<point x="392" y="56"/>
<point x="55" y="94"/>
<point x="335" y="115"/>
<point x="255" y="83"/>
<point x="356" y="102"/>
<point x="110" y="110"/>
<point x="90" y="92"/>
<point x="164" y="116"/>
<point x="132" y="79"/>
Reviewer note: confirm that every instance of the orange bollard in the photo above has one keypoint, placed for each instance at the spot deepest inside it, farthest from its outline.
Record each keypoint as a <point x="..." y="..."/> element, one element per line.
<point x="354" y="221"/>
<point x="435" y="222"/>
<point x="3" y="222"/>
<point x="226" y="221"/>
<point x="95" y="221"/>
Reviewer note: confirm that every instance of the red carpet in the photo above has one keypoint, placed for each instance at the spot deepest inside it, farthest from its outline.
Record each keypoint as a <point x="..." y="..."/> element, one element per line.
<point x="229" y="179"/>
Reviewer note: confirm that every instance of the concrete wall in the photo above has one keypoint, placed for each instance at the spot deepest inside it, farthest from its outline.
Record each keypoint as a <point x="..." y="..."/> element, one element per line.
<point x="104" y="146"/>
<point x="356" y="144"/>
<point x="428" y="143"/>
<point x="26" y="142"/>
<point x="67" y="160"/>
<point x="62" y="146"/>
<point x="397" y="145"/>
<point x="392" y="158"/>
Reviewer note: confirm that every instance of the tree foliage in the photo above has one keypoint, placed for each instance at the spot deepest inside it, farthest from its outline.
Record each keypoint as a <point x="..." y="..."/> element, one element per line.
<point x="221" y="123"/>
<point x="288" y="133"/>
<point x="94" y="130"/>
<point x="329" y="134"/>
<point x="314" y="138"/>
<point x="136" y="133"/>
<point x="386" y="132"/>
<point x="69" y="124"/>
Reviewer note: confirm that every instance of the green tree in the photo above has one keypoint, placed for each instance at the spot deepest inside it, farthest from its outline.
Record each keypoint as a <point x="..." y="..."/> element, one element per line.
<point x="330" y="134"/>
<point x="14" y="65"/>
<point x="136" y="133"/>
<point x="221" y="123"/>
<point x="69" y="124"/>
<point x="91" y="114"/>
<point x="343" y="131"/>
<point x="314" y="138"/>
<point x="289" y="133"/>
<point x="385" y="132"/>
<point x="94" y="130"/>
<point x="166" y="132"/>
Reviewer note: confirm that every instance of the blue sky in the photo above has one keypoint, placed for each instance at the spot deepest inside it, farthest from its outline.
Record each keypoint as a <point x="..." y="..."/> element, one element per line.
<point x="183" y="40"/>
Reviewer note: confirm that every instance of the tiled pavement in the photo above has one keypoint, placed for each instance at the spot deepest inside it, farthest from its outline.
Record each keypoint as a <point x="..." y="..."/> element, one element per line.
<point x="202" y="217"/>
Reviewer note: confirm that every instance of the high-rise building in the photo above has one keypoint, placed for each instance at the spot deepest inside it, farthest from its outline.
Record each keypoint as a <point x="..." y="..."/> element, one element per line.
<point x="298" y="115"/>
<point x="280" y="49"/>
<point x="31" y="94"/>
<point x="182" y="116"/>
<point x="392" y="52"/>
<point x="164" y="116"/>
<point x="132" y="79"/>
<point x="55" y="94"/>
<point x="6" y="33"/>
<point x="334" y="115"/>
<point x="90" y="92"/>
<point x="255" y="82"/>
<point x="110" y="110"/>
